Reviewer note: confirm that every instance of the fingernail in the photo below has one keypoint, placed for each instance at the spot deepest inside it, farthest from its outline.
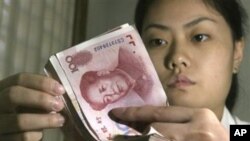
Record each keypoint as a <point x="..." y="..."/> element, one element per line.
<point x="60" y="120"/>
<point x="57" y="104"/>
<point x="59" y="89"/>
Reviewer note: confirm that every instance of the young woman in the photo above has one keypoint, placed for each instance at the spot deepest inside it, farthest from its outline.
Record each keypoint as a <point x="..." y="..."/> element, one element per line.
<point x="197" y="47"/>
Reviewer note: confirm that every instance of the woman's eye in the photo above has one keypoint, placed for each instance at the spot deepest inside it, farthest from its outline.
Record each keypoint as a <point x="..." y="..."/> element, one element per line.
<point x="200" y="38"/>
<point x="157" y="42"/>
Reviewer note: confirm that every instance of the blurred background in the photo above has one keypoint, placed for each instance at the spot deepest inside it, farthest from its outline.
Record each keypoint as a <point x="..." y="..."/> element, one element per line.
<point x="32" y="30"/>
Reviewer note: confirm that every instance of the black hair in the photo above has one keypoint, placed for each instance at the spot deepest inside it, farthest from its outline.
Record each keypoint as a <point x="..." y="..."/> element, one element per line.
<point x="235" y="16"/>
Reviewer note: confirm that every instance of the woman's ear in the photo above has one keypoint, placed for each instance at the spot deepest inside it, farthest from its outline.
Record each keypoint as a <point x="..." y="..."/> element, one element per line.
<point x="239" y="46"/>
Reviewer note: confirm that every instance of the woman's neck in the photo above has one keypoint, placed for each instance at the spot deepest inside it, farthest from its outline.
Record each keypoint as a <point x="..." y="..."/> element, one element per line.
<point x="218" y="111"/>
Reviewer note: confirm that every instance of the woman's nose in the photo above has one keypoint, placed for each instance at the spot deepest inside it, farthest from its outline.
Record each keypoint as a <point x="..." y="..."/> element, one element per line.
<point x="178" y="59"/>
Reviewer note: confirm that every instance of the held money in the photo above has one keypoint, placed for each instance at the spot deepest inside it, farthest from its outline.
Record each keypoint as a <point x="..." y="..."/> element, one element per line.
<point x="98" y="80"/>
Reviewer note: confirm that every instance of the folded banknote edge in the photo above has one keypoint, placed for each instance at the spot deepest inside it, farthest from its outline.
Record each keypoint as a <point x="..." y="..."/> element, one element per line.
<point x="52" y="69"/>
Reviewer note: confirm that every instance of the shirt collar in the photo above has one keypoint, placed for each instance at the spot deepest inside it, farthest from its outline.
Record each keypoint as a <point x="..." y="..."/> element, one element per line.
<point x="227" y="118"/>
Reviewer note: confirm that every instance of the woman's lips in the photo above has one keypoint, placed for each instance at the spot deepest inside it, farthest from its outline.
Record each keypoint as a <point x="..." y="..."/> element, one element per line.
<point x="180" y="81"/>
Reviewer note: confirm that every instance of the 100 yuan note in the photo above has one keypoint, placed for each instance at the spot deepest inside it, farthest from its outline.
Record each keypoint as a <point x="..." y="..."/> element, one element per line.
<point x="112" y="70"/>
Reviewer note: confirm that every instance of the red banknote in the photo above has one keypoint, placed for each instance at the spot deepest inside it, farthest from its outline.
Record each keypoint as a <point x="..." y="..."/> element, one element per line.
<point x="109" y="71"/>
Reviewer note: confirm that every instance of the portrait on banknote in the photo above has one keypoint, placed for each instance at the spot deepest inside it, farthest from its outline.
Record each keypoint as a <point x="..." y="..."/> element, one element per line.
<point x="100" y="88"/>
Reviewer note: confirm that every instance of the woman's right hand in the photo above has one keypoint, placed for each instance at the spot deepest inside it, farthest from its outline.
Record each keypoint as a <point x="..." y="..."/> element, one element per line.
<point x="28" y="104"/>
<point x="175" y="123"/>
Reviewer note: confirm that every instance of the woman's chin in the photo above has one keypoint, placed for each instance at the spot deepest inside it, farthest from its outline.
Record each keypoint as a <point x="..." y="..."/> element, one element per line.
<point x="184" y="102"/>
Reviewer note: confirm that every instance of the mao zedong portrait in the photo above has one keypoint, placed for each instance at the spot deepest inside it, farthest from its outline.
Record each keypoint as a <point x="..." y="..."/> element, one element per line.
<point x="101" y="89"/>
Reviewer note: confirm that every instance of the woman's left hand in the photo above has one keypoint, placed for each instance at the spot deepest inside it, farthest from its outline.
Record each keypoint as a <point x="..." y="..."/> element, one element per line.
<point x="177" y="123"/>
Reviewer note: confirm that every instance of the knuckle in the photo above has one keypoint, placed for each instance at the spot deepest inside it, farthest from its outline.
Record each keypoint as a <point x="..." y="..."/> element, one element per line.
<point x="204" y="112"/>
<point x="52" y="120"/>
<point x="19" y="78"/>
<point x="205" y="129"/>
<point x="43" y="99"/>
<point x="22" y="121"/>
<point x="13" y="90"/>
<point x="207" y="116"/>
<point x="45" y="82"/>
<point x="205" y="135"/>
<point x="11" y="93"/>
<point x="158" y="114"/>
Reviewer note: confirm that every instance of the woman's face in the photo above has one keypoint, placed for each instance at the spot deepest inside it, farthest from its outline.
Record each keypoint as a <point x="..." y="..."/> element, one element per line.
<point x="192" y="49"/>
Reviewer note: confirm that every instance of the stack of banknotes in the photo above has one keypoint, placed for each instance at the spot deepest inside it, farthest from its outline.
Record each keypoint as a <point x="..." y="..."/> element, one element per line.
<point x="111" y="70"/>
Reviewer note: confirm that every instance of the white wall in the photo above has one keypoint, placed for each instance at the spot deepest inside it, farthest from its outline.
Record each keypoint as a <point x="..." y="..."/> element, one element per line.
<point x="106" y="14"/>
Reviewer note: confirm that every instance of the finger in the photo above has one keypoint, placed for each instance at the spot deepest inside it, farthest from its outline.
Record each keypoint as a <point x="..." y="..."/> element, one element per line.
<point x="38" y="82"/>
<point x="25" y="97"/>
<point x="26" y="136"/>
<point x="149" y="114"/>
<point x="29" y="122"/>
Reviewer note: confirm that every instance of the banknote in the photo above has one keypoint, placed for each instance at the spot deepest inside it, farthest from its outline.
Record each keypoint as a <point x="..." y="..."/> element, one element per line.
<point x="108" y="71"/>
